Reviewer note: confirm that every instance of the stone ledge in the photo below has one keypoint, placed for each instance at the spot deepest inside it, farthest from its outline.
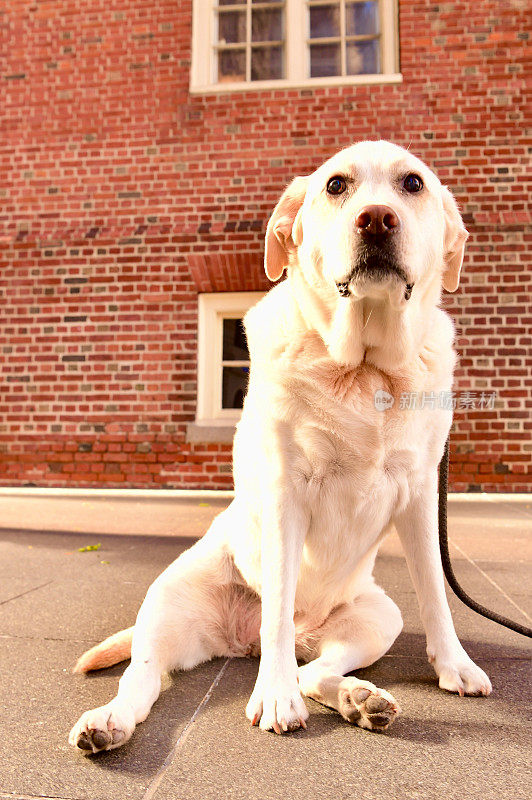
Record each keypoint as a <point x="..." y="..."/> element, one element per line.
<point x="220" y="434"/>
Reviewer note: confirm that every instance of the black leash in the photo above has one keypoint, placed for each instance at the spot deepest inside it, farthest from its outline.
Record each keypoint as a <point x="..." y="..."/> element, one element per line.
<point x="446" y="559"/>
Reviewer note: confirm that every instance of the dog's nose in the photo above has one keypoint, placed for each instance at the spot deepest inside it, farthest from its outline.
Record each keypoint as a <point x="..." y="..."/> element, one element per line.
<point x="377" y="222"/>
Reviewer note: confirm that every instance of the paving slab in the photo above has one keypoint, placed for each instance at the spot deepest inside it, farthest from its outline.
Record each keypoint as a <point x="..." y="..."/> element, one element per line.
<point x="41" y="700"/>
<point x="55" y="602"/>
<point x="442" y="746"/>
<point x="79" y="596"/>
<point x="155" y="513"/>
<point x="392" y="574"/>
<point x="481" y="529"/>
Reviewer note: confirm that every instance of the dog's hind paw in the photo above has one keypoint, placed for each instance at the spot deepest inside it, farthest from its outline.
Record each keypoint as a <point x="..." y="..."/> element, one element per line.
<point x="361" y="703"/>
<point x="102" y="728"/>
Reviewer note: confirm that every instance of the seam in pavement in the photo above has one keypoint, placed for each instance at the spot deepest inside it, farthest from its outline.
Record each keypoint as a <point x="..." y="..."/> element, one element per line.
<point x="16" y="596"/>
<point x="66" y="640"/>
<point x="522" y="511"/>
<point x="17" y="796"/>
<point x="493" y="583"/>
<point x="423" y="659"/>
<point x="154" y="785"/>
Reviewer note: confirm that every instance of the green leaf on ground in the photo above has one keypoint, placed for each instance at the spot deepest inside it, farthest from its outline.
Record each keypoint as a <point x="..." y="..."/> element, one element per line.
<point x="89" y="547"/>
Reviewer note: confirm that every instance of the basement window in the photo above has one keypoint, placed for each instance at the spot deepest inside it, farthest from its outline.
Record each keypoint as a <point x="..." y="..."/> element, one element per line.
<point x="223" y="360"/>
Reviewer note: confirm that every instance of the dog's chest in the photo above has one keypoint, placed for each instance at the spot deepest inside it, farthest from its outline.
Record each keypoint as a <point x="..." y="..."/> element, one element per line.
<point x="359" y="388"/>
<point x="352" y="493"/>
<point x="370" y="468"/>
<point x="350" y="418"/>
<point x="360" y="453"/>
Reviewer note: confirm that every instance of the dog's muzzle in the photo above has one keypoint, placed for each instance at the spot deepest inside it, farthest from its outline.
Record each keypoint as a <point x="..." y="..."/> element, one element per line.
<point x="345" y="291"/>
<point x="375" y="264"/>
<point x="376" y="231"/>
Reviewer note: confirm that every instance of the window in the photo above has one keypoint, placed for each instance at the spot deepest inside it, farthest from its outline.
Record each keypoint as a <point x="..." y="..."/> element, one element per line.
<point x="267" y="43"/>
<point x="235" y="363"/>
<point x="344" y="39"/>
<point x="223" y="358"/>
<point x="249" y="45"/>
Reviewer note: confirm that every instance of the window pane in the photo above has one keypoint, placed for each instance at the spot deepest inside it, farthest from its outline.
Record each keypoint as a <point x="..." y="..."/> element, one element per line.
<point x="266" y="63"/>
<point x="361" y="19"/>
<point x="267" y="25"/>
<point x="363" y="58"/>
<point x="231" y="65"/>
<point x="325" y="60"/>
<point x="234" y="386"/>
<point x="235" y="346"/>
<point x="232" y="27"/>
<point x="231" y="2"/>
<point x="324" y="21"/>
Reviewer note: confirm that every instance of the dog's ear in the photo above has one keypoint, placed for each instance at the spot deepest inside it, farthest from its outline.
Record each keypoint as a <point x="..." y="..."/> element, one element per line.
<point x="284" y="229"/>
<point x="454" y="242"/>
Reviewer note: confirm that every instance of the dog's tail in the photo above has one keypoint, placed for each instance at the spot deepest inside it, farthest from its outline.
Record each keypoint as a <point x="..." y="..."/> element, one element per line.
<point x="111" y="651"/>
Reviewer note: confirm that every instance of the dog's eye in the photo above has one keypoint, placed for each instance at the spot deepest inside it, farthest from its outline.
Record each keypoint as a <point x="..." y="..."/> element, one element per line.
<point x="412" y="183"/>
<point x="336" y="185"/>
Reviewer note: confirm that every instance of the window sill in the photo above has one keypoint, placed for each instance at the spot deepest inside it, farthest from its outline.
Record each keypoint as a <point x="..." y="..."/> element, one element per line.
<point x="210" y="432"/>
<point x="309" y="83"/>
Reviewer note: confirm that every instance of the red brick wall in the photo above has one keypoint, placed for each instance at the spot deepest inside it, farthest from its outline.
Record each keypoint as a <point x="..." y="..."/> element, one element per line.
<point x="115" y="183"/>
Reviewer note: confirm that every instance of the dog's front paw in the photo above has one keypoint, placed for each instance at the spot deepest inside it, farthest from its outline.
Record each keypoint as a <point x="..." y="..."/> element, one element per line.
<point x="277" y="706"/>
<point x="103" y="728"/>
<point x="460" y="674"/>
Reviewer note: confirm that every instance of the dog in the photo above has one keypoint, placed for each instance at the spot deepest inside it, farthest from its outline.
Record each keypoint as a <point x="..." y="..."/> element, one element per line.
<point x="322" y="470"/>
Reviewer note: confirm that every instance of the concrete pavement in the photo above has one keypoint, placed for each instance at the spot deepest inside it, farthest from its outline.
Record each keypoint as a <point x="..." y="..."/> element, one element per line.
<point x="56" y="601"/>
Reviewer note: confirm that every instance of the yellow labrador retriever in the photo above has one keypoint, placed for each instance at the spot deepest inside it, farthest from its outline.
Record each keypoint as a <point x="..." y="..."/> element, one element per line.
<point x="322" y="468"/>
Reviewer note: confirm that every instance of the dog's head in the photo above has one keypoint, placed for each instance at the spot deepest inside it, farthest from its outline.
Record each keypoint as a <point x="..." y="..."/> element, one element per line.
<point x="372" y="221"/>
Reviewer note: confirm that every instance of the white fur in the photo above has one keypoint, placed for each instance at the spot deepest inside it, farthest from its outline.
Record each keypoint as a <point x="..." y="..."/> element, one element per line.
<point x="320" y="474"/>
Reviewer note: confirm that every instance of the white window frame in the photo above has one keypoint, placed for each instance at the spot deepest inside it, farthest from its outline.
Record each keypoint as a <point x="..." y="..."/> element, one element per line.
<point x="212" y="310"/>
<point x="297" y="62"/>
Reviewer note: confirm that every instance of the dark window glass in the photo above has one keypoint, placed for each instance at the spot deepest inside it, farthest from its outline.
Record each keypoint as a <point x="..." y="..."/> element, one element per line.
<point x="362" y="58"/>
<point x="232" y="27"/>
<point x="235" y="347"/>
<point x="325" y="60"/>
<point x="267" y="25"/>
<point x="362" y="19"/>
<point x="324" y="21"/>
<point x="234" y="386"/>
<point x="232" y="65"/>
<point x="266" y="63"/>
